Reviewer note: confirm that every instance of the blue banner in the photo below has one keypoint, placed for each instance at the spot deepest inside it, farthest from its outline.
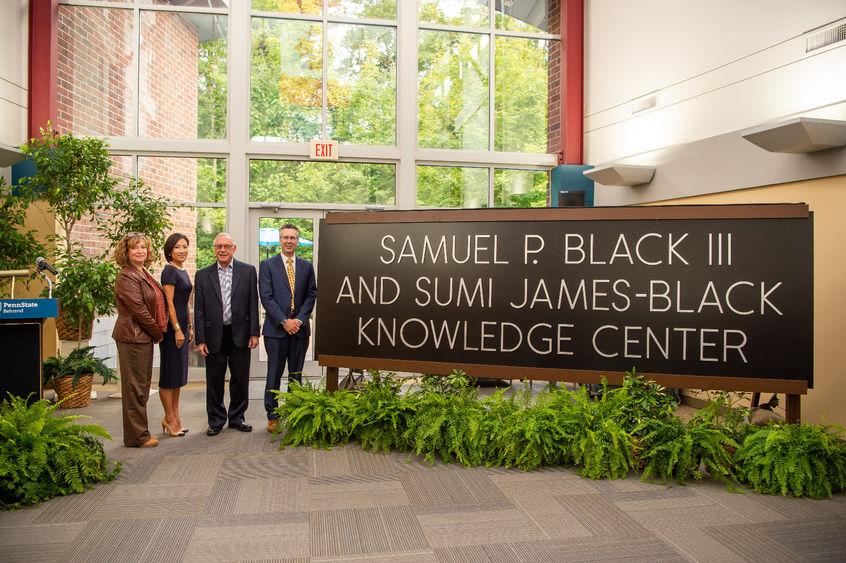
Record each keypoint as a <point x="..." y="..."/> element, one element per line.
<point x="11" y="309"/>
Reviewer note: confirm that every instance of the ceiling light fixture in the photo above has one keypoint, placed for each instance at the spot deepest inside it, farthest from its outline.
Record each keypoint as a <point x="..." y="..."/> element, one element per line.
<point x="621" y="174"/>
<point x="10" y="155"/>
<point x="799" y="135"/>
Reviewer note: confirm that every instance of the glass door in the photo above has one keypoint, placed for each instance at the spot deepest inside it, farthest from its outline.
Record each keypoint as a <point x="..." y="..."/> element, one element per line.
<point x="264" y="243"/>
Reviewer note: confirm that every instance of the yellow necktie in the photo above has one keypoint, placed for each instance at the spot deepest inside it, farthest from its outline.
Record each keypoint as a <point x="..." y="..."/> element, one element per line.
<point x="291" y="280"/>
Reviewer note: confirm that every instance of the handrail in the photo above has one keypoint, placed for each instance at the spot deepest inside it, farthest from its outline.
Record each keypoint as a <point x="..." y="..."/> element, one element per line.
<point x="14" y="273"/>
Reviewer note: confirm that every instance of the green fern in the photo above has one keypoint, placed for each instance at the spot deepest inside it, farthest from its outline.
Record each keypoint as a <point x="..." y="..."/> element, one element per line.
<point x="795" y="459"/>
<point x="444" y="417"/>
<point x="667" y="450"/>
<point x="312" y="416"/>
<point x="452" y="384"/>
<point x="43" y="455"/>
<point x="382" y="414"/>
<point x="714" y="445"/>
<point x="448" y="425"/>
<point x="497" y="444"/>
<point x="527" y="433"/>
<point x="597" y="438"/>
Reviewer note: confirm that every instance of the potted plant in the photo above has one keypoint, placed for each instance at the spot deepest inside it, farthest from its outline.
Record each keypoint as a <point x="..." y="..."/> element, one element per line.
<point x="73" y="177"/>
<point x="86" y="286"/>
<point x="666" y="450"/>
<point x="447" y="421"/>
<point x="525" y="431"/>
<point x="643" y="399"/>
<point x="136" y="209"/>
<point x="673" y="449"/>
<point x="795" y="459"/>
<point x="85" y="289"/>
<point x="43" y="455"/>
<point x="598" y="440"/>
<point x="382" y="413"/>
<point x="728" y="410"/>
<point x="314" y="417"/>
<point x="73" y="375"/>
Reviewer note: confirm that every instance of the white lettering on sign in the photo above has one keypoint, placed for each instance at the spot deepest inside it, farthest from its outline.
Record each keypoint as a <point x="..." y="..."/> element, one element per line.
<point x="716" y="298"/>
<point x="323" y="150"/>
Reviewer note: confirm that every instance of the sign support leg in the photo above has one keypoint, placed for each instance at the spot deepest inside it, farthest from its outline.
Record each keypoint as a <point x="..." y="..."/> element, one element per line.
<point x="331" y="379"/>
<point x="793" y="409"/>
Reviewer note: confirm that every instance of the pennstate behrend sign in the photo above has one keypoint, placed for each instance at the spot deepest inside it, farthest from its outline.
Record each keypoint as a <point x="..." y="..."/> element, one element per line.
<point x="11" y="309"/>
<point x="718" y="296"/>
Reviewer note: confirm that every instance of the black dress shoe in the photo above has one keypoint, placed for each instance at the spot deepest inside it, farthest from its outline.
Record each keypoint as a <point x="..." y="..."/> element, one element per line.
<point x="241" y="426"/>
<point x="214" y="430"/>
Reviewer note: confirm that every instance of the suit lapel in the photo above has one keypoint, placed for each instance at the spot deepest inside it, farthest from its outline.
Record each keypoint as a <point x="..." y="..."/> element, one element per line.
<point x="238" y="273"/>
<point x="235" y="271"/>
<point x="285" y="300"/>
<point x="298" y="273"/>
<point x="215" y="281"/>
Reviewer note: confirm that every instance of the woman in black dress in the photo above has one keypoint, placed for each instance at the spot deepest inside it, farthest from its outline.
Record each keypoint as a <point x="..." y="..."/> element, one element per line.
<point x="173" y="370"/>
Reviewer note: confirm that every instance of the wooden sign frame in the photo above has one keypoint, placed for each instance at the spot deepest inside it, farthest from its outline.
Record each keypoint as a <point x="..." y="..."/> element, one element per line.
<point x="793" y="388"/>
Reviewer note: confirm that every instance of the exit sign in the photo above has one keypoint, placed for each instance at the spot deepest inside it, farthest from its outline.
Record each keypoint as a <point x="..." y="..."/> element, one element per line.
<point x="323" y="150"/>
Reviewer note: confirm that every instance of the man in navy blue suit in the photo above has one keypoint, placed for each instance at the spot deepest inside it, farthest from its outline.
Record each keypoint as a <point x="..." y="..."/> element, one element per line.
<point x="287" y="288"/>
<point x="226" y="329"/>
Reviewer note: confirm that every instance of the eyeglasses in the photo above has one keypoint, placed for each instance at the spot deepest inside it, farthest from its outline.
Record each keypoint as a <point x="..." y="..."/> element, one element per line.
<point x="223" y="246"/>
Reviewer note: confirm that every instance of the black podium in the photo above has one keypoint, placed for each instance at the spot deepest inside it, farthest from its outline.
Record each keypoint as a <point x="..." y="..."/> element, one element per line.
<point x="21" y="336"/>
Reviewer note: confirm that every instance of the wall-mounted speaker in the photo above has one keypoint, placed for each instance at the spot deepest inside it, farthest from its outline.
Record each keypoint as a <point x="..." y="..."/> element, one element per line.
<point x="571" y="198"/>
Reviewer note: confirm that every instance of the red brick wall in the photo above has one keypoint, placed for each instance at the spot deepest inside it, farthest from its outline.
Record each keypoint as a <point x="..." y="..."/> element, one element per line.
<point x="168" y="76"/>
<point x="95" y="60"/>
<point x="96" y="88"/>
<point x="177" y="179"/>
<point x="553" y="124"/>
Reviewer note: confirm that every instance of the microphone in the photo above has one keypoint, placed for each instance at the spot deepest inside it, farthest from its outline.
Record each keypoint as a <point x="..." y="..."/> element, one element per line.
<point x="43" y="264"/>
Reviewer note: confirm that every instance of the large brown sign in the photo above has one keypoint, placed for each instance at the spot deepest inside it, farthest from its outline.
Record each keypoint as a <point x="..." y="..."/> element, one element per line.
<point x="683" y="293"/>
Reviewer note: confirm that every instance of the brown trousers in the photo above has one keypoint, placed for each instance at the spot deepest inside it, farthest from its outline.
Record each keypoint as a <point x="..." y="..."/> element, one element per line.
<point x="136" y="373"/>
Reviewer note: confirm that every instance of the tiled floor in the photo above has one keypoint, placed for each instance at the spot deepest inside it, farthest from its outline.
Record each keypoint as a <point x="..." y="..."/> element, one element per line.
<point x="236" y="497"/>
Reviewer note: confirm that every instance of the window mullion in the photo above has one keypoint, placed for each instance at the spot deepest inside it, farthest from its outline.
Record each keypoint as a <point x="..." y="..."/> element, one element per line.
<point x="491" y="90"/>
<point x="238" y="114"/>
<point x="325" y="74"/>
<point x="136" y="70"/>
<point x="407" y="105"/>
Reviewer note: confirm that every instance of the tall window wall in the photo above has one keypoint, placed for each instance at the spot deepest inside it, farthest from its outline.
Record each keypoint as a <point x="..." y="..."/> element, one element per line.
<point x="324" y="73"/>
<point x="435" y="103"/>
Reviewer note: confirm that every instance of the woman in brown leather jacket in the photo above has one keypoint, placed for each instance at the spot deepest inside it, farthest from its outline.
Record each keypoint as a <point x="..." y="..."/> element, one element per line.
<point x="140" y="323"/>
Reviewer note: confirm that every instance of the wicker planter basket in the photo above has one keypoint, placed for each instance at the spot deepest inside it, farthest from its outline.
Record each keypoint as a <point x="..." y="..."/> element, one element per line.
<point x="69" y="330"/>
<point x="78" y="397"/>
